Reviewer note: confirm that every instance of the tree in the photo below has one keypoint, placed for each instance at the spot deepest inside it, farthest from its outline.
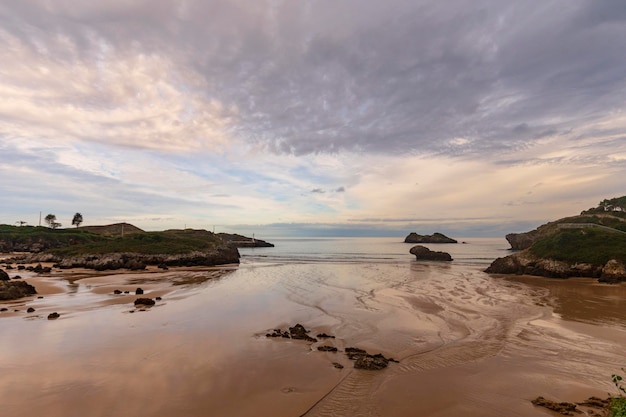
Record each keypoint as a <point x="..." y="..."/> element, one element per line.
<point x="77" y="220"/>
<point x="51" y="220"/>
<point x="21" y="223"/>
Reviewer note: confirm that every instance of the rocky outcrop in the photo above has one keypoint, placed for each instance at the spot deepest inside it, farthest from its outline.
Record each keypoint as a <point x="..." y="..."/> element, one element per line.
<point x="524" y="263"/>
<point x="12" y="290"/>
<point x="4" y="276"/>
<point x="521" y="241"/>
<point x="136" y="261"/>
<point x="613" y="271"/>
<point x="362" y="359"/>
<point x="422" y="253"/>
<point x="434" y="238"/>
<point x="297" y="332"/>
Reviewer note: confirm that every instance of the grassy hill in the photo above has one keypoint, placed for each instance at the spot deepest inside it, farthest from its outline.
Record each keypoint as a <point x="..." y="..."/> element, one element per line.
<point x="174" y="242"/>
<point x="586" y="245"/>
<point x="105" y="239"/>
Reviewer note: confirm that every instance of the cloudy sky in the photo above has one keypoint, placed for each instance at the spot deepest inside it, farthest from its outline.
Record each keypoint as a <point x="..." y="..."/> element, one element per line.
<point x="342" y="117"/>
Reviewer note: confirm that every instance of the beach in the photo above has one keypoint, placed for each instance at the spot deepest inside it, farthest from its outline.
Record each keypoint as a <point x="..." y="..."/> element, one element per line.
<point x="466" y="343"/>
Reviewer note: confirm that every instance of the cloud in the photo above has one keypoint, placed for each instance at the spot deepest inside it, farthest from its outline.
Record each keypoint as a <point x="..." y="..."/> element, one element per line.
<point x="312" y="112"/>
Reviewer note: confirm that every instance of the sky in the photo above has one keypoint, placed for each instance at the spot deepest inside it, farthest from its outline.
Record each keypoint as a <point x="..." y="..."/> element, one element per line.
<point x="312" y="117"/>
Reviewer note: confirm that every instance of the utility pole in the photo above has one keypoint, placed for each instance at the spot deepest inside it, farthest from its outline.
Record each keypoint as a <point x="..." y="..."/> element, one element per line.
<point x="39" y="218"/>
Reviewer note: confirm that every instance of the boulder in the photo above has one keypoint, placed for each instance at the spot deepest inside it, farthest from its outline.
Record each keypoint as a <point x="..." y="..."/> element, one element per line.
<point x="11" y="290"/>
<point x="145" y="302"/>
<point x="613" y="271"/>
<point x="53" y="316"/>
<point x="434" y="238"/>
<point x="4" y="276"/>
<point x="299" y="332"/>
<point x="422" y="253"/>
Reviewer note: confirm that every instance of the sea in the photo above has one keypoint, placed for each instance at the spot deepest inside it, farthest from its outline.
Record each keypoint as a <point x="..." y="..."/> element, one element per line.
<point x="471" y="250"/>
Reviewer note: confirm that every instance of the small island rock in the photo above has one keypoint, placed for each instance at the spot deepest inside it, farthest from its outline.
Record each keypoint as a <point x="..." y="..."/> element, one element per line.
<point x="422" y="253"/>
<point x="434" y="238"/>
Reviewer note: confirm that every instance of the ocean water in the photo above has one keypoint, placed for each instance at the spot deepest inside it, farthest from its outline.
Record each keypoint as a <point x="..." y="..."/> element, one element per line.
<point x="384" y="250"/>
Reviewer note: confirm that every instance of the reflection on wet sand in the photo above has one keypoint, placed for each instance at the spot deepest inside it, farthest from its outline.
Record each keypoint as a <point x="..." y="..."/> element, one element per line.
<point x="468" y="344"/>
<point x="583" y="299"/>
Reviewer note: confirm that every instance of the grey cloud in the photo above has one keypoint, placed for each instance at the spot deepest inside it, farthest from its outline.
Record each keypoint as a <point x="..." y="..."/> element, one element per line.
<point x="388" y="77"/>
<point x="318" y="191"/>
<point x="340" y="190"/>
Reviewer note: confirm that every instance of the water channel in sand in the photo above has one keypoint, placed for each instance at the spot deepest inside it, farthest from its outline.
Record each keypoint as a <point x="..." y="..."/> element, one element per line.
<point x="468" y="343"/>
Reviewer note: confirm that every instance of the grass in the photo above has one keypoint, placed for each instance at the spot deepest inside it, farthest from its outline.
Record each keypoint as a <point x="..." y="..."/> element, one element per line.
<point x="30" y="233"/>
<point x="150" y="243"/>
<point x="618" y="407"/>
<point x="67" y="242"/>
<point x="592" y="246"/>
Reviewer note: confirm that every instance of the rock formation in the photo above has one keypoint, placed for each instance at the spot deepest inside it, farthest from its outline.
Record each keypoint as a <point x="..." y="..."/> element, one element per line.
<point x="137" y="261"/>
<point x="422" y="253"/>
<point x="11" y="290"/>
<point x="434" y="238"/>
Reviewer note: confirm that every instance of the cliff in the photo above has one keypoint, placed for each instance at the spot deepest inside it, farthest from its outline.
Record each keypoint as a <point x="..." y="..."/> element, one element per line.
<point x="589" y="245"/>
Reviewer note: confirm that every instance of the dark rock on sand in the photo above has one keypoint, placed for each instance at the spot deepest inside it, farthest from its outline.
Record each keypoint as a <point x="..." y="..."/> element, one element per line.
<point x="299" y="332"/>
<point x="327" y="349"/>
<point x="117" y="292"/>
<point x="434" y="238"/>
<point x="145" y="302"/>
<point x="30" y="310"/>
<point x="11" y="290"/>
<point x="566" y="409"/>
<point x="4" y="276"/>
<point x="53" y="316"/>
<point x="138" y="291"/>
<point x="422" y="253"/>
<point x="4" y="309"/>
<point x="325" y="336"/>
<point x="364" y="360"/>
<point x="337" y="365"/>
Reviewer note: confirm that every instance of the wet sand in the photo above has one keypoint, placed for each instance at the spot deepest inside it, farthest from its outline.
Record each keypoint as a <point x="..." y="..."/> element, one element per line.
<point x="468" y="344"/>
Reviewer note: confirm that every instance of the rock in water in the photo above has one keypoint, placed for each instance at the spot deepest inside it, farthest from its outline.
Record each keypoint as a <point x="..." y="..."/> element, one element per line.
<point x="434" y="238"/>
<point x="422" y="253"/>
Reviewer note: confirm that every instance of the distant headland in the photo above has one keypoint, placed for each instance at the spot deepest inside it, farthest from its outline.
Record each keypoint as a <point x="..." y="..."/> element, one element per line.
<point x="122" y="245"/>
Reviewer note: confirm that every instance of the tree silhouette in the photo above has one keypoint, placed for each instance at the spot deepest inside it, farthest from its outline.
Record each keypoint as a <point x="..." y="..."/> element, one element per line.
<point x="51" y="220"/>
<point x="77" y="220"/>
